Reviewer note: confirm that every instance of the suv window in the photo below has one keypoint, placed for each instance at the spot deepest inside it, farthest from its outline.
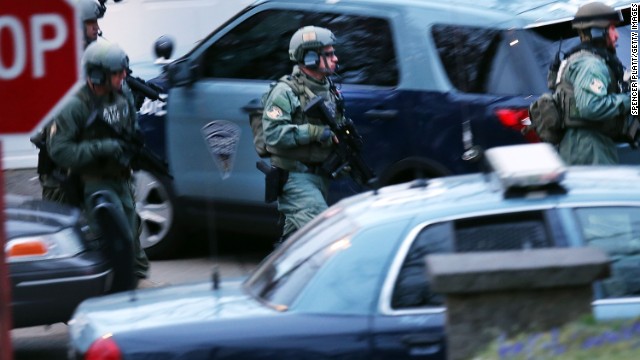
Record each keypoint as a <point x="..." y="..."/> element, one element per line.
<point x="258" y="48"/>
<point x="486" y="60"/>
<point x="615" y="230"/>
<point x="524" y="230"/>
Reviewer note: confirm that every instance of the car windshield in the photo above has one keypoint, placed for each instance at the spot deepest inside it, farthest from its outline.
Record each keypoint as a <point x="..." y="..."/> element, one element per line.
<point x="285" y="273"/>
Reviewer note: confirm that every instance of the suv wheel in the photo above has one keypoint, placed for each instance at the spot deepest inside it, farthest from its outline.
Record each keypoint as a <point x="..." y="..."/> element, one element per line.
<point x="155" y="207"/>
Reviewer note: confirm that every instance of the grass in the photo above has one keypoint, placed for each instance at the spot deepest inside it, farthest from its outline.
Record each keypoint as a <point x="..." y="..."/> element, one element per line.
<point x="584" y="339"/>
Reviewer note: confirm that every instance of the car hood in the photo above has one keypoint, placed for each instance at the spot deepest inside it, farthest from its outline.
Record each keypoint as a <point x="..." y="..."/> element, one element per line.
<point x="141" y="310"/>
<point x="25" y="216"/>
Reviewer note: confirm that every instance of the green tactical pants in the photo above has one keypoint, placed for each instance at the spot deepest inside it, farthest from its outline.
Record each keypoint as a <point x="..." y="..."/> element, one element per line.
<point x="303" y="198"/>
<point x="124" y="192"/>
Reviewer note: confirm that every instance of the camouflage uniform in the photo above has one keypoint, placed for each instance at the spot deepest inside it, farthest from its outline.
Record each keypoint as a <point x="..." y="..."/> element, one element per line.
<point x="594" y="110"/>
<point x="600" y="108"/>
<point x="90" y="152"/>
<point x="298" y="144"/>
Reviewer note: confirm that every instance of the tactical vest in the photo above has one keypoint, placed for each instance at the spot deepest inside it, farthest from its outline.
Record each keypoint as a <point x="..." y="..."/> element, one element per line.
<point x="566" y="99"/>
<point x="306" y="154"/>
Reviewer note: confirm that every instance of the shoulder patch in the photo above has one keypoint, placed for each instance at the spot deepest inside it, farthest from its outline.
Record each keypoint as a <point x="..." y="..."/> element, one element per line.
<point x="274" y="112"/>
<point x="597" y="86"/>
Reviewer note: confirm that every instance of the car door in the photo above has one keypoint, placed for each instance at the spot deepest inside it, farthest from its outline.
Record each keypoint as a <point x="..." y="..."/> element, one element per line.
<point x="411" y="324"/>
<point x="210" y="143"/>
<point x="616" y="230"/>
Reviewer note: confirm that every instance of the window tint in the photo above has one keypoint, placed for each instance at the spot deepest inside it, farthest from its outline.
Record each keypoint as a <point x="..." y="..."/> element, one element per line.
<point x="517" y="231"/>
<point x="525" y="230"/>
<point x="615" y="230"/>
<point x="485" y="60"/>
<point x="258" y="48"/>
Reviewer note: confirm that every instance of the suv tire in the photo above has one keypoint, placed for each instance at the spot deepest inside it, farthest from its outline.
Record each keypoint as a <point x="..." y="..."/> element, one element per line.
<point x="155" y="204"/>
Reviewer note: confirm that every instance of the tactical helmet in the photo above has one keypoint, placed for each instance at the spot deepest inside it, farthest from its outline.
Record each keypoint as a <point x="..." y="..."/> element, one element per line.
<point x="596" y="15"/>
<point x="309" y="38"/>
<point x="91" y="10"/>
<point x="101" y="59"/>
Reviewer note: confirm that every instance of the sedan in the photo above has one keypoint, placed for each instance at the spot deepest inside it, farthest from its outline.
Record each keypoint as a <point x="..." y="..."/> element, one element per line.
<point x="55" y="262"/>
<point x="351" y="284"/>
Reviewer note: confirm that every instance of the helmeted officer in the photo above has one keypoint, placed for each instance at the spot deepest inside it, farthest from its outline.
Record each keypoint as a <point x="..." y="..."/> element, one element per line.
<point x="79" y="139"/>
<point x="594" y="110"/>
<point x="90" y="11"/>
<point x="297" y="143"/>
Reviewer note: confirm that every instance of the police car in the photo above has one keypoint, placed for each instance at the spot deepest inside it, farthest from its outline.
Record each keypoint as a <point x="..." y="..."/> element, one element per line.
<point x="351" y="284"/>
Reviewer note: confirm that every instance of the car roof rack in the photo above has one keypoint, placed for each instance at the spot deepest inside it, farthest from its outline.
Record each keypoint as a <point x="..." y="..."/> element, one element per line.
<point x="521" y="169"/>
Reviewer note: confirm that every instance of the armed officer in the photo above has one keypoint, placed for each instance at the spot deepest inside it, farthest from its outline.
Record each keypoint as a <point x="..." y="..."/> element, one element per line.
<point x="78" y="142"/>
<point x="297" y="143"/>
<point x="594" y="109"/>
<point x="50" y="175"/>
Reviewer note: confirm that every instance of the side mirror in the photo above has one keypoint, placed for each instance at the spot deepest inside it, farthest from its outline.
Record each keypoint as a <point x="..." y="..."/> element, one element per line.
<point x="182" y="72"/>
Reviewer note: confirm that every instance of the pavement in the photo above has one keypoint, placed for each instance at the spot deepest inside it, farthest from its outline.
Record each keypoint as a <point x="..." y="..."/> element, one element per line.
<point x="180" y="271"/>
<point x="22" y="182"/>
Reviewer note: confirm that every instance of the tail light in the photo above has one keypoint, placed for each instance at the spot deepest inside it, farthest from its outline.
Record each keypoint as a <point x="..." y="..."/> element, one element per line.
<point x="103" y="349"/>
<point x="518" y="120"/>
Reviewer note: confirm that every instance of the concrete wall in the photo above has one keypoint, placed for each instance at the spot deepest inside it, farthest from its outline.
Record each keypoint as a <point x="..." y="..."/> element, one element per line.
<point x="504" y="293"/>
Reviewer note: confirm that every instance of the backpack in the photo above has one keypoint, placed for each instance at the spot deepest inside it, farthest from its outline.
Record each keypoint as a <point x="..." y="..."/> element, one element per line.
<point x="546" y="118"/>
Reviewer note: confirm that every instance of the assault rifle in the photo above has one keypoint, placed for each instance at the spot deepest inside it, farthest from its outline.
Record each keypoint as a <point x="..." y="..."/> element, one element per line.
<point x="347" y="154"/>
<point x="142" y="89"/>
<point x="141" y="157"/>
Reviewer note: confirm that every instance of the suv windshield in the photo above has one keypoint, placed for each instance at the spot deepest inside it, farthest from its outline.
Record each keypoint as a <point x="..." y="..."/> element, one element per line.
<point x="283" y="276"/>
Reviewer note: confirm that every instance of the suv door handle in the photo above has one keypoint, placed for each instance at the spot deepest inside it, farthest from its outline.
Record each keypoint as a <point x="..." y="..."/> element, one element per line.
<point x="381" y="114"/>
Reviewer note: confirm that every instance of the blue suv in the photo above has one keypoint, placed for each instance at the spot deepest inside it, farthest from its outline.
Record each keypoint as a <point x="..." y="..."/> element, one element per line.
<point x="429" y="85"/>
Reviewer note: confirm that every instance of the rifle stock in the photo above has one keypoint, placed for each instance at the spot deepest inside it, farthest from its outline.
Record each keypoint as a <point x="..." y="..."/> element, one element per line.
<point x="347" y="154"/>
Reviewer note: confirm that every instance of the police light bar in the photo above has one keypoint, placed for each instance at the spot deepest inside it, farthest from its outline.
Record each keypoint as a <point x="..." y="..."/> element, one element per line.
<point x="527" y="165"/>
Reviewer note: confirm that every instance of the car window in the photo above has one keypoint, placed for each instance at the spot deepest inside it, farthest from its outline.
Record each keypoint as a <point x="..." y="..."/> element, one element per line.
<point x="486" y="60"/>
<point x="258" y="47"/>
<point x="281" y="278"/>
<point x="507" y="62"/>
<point x="522" y="230"/>
<point x="615" y="230"/>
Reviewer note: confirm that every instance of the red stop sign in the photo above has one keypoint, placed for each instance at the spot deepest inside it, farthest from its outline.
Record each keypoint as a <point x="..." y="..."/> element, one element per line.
<point x="40" y="51"/>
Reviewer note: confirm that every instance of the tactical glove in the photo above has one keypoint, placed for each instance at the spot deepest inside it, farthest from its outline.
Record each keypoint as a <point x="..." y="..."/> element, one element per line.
<point x="109" y="148"/>
<point x="321" y="134"/>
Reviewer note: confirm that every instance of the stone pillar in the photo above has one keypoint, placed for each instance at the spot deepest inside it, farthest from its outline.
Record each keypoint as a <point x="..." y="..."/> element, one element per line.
<point x="509" y="292"/>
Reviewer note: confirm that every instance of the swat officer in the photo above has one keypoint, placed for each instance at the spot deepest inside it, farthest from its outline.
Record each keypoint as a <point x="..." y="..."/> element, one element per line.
<point x="50" y="175"/>
<point x="297" y="143"/>
<point x="90" y="11"/>
<point x="594" y="109"/>
<point x="77" y="141"/>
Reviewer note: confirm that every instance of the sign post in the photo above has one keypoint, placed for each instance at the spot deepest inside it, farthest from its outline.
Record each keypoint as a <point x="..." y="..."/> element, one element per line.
<point x="40" y="51"/>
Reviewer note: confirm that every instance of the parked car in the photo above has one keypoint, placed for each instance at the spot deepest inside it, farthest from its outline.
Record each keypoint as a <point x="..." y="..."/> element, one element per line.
<point x="55" y="261"/>
<point x="52" y="264"/>
<point x="429" y="86"/>
<point x="352" y="283"/>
